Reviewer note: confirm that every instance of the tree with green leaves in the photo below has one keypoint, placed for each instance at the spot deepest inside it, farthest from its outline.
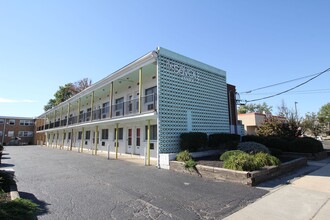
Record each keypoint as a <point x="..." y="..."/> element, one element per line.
<point x="67" y="91"/>
<point x="258" y="108"/>
<point x="311" y="124"/>
<point x="324" y="116"/>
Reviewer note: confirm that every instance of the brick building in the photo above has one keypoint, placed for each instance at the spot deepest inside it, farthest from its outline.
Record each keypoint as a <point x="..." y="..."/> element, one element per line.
<point x="16" y="128"/>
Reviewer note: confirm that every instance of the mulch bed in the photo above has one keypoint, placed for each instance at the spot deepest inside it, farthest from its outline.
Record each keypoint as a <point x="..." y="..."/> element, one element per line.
<point x="214" y="160"/>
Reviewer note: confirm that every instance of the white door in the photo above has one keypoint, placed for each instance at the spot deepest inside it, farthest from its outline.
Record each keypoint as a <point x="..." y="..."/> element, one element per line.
<point x="133" y="140"/>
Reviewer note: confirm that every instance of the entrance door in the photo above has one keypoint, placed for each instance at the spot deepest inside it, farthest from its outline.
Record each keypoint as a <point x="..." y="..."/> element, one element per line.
<point x="133" y="140"/>
<point x="137" y="140"/>
<point x="129" y="140"/>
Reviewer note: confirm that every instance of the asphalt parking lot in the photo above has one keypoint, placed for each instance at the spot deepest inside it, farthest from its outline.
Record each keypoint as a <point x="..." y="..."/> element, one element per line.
<point x="71" y="185"/>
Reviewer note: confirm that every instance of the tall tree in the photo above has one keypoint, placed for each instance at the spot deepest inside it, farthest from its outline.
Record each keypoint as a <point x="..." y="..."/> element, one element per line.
<point x="324" y="113"/>
<point x="259" y="108"/>
<point x="67" y="91"/>
<point x="312" y="124"/>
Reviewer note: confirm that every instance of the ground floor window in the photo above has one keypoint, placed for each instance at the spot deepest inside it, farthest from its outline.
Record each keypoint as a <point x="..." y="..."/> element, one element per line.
<point x="88" y="135"/>
<point x="120" y="134"/>
<point x="25" y="133"/>
<point x="105" y="134"/>
<point x="10" y="133"/>
<point x="153" y="132"/>
<point x="79" y="135"/>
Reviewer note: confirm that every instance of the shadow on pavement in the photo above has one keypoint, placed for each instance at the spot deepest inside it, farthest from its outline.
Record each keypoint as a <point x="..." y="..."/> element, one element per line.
<point x="287" y="178"/>
<point x="4" y="158"/>
<point x="42" y="204"/>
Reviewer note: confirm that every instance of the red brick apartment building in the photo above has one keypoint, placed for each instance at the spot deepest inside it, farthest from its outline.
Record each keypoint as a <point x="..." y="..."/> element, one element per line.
<point x="15" y="130"/>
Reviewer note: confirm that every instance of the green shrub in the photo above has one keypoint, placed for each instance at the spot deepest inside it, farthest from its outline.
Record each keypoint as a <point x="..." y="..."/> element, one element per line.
<point x="276" y="143"/>
<point x="232" y="145"/>
<point x="230" y="153"/>
<point x="306" y="145"/>
<point x="275" y="152"/>
<point x="252" y="147"/>
<point x="242" y="162"/>
<point x="193" y="141"/>
<point x="263" y="159"/>
<point x="190" y="163"/>
<point x="219" y="139"/>
<point x="18" y="209"/>
<point x="183" y="156"/>
<point x="253" y="138"/>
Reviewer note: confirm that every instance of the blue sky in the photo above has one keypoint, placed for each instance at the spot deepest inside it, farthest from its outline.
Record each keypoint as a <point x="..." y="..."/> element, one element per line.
<point x="45" y="44"/>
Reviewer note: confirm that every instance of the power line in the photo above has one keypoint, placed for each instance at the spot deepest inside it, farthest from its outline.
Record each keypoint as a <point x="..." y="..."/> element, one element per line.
<point x="276" y="84"/>
<point x="312" y="91"/>
<point x="285" y="91"/>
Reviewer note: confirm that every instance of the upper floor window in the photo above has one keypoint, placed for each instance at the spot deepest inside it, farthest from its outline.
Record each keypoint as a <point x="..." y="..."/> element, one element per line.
<point x="12" y="121"/>
<point x="150" y="94"/>
<point x="2" y="120"/>
<point x="26" y="122"/>
<point x="25" y="134"/>
<point x="119" y="103"/>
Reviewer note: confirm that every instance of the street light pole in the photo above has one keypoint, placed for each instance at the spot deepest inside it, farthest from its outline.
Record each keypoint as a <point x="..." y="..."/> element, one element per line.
<point x="295" y="106"/>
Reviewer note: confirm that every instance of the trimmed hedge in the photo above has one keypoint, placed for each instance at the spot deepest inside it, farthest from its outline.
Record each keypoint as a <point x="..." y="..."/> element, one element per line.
<point x="220" y="139"/>
<point x="252" y="147"/>
<point x="193" y="141"/>
<point x="289" y="144"/>
<point x="306" y="145"/>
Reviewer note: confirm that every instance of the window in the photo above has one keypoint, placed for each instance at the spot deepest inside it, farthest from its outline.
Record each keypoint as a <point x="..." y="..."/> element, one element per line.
<point x="120" y="134"/>
<point x="10" y="133"/>
<point x="88" y="135"/>
<point x="2" y="121"/>
<point x="119" y="103"/>
<point x="150" y="94"/>
<point x="26" y="122"/>
<point x="105" y="134"/>
<point x="79" y="135"/>
<point x="153" y="132"/>
<point x="64" y="136"/>
<point x="69" y="136"/>
<point x="25" y="134"/>
<point x="12" y="121"/>
<point x="105" y="107"/>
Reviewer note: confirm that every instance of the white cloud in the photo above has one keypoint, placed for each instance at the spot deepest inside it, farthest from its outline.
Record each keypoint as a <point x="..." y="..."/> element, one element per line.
<point x="4" y="100"/>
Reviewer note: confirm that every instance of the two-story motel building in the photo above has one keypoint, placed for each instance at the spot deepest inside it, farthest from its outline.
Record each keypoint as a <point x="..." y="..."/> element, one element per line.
<point x="142" y="108"/>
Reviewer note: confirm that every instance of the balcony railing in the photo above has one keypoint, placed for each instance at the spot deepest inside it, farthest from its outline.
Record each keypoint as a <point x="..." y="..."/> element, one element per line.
<point x="123" y="109"/>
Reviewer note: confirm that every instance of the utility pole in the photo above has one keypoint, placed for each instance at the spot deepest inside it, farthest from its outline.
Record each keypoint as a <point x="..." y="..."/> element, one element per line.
<point x="295" y="106"/>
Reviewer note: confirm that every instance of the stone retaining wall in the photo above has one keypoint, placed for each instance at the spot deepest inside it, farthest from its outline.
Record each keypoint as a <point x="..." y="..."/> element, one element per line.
<point x="243" y="177"/>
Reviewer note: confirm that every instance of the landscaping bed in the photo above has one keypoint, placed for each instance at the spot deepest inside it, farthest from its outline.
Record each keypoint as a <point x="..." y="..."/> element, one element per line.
<point x="211" y="167"/>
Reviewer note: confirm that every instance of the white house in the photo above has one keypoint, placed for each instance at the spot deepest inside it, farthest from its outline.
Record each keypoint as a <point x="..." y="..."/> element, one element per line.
<point x="142" y="108"/>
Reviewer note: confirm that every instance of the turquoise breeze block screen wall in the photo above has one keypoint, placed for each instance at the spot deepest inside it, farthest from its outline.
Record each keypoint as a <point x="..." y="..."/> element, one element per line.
<point x="192" y="97"/>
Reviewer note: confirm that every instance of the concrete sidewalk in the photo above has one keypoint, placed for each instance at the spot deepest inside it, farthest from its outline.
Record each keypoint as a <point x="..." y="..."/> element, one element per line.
<point x="305" y="198"/>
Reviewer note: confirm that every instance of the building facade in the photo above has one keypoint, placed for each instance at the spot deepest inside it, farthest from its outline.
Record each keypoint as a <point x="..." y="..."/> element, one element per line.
<point x="252" y="120"/>
<point x="16" y="130"/>
<point x="142" y="108"/>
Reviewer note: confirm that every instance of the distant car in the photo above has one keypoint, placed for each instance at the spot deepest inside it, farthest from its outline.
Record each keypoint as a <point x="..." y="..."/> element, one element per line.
<point x="13" y="143"/>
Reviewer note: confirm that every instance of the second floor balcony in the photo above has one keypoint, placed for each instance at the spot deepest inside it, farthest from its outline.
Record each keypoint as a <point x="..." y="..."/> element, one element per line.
<point x="120" y="109"/>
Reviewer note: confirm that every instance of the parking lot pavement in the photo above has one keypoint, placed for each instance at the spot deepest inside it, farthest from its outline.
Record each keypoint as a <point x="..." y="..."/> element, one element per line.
<point x="71" y="185"/>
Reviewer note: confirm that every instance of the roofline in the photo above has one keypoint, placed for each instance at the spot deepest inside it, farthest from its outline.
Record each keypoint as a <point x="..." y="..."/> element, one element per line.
<point x="16" y="117"/>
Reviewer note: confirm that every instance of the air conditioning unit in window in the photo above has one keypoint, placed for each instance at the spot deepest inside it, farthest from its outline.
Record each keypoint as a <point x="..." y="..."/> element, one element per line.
<point x="150" y="106"/>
